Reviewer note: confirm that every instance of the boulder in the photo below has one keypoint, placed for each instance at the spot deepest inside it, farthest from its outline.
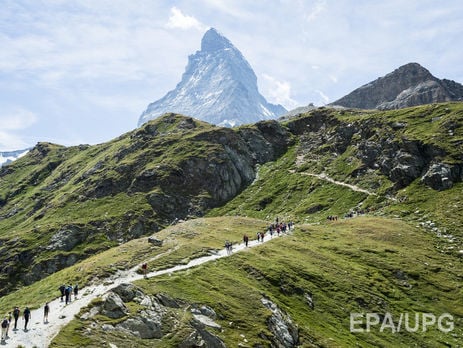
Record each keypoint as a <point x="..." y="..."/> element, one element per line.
<point x="438" y="176"/>
<point x="113" y="306"/>
<point x="146" y="327"/>
<point x="155" y="241"/>
<point x="127" y="292"/>
<point x="167" y="301"/>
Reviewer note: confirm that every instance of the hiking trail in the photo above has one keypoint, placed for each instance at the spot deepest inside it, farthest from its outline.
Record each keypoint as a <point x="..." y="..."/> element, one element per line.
<point x="40" y="334"/>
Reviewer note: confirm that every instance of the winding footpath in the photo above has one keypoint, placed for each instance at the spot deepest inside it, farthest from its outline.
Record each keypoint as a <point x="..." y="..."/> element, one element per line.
<point x="40" y="334"/>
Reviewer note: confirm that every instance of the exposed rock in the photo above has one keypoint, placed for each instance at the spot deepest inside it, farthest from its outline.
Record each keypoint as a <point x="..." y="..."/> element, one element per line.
<point x="280" y="324"/>
<point x="206" y="321"/>
<point x="107" y="327"/>
<point x="438" y="176"/>
<point x="67" y="238"/>
<point x="87" y="315"/>
<point x="208" y="311"/>
<point x="167" y="301"/>
<point x="127" y="292"/>
<point x="147" y="325"/>
<point x="113" y="306"/>
<point x="309" y="299"/>
<point x="200" y="337"/>
<point x="155" y="241"/>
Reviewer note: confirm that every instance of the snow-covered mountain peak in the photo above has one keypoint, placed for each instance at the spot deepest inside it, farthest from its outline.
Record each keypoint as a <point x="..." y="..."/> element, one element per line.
<point x="218" y="86"/>
<point x="214" y="41"/>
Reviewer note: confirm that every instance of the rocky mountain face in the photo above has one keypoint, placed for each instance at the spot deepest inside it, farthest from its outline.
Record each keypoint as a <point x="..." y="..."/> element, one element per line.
<point x="409" y="85"/>
<point x="218" y="86"/>
<point x="378" y="147"/>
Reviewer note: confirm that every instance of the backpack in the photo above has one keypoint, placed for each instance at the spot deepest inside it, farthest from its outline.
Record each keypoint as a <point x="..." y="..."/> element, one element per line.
<point x="16" y="312"/>
<point x="5" y="323"/>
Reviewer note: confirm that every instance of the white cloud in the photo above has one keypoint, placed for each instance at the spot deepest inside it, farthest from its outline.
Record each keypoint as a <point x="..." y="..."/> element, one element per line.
<point x="279" y="92"/>
<point x="179" y="20"/>
<point x="11" y="123"/>
<point x="315" y="12"/>
<point x="17" y="119"/>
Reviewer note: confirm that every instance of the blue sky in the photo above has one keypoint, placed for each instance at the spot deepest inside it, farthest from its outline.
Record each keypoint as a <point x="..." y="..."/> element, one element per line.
<point x="82" y="71"/>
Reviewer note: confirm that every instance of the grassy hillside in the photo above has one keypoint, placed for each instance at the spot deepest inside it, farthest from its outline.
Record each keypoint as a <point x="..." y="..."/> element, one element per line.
<point x="76" y="214"/>
<point x="59" y="205"/>
<point x="360" y="265"/>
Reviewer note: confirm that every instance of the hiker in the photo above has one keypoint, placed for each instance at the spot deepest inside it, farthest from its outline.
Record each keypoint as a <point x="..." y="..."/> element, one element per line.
<point x="258" y="236"/>
<point x="228" y="247"/>
<point x="144" y="267"/>
<point x="246" y="239"/>
<point x="67" y="294"/>
<point x="16" y="312"/>
<point x="62" y="288"/>
<point x="26" y="317"/>
<point x="262" y="235"/>
<point x="9" y="323"/>
<point x="46" y="310"/>
<point x="5" y="324"/>
<point x="76" y="291"/>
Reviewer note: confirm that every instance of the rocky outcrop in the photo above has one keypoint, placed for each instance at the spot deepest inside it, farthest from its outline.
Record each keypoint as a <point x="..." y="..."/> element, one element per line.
<point x="149" y="323"/>
<point x="379" y="146"/>
<point x="441" y="176"/>
<point x="409" y="85"/>
<point x="200" y="337"/>
<point x="285" y="333"/>
<point x="113" y="306"/>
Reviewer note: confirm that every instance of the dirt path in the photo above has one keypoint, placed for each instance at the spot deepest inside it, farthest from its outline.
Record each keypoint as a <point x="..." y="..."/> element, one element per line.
<point x="325" y="177"/>
<point x="40" y="334"/>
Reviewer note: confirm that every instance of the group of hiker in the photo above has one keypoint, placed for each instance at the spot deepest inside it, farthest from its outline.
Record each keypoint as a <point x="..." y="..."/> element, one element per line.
<point x="276" y="227"/>
<point x="67" y="291"/>
<point x="14" y="315"/>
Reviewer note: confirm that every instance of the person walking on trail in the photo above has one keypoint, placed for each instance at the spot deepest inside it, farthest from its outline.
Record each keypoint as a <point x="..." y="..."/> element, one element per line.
<point x="246" y="239"/>
<point x="228" y="247"/>
<point x="26" y="317"/>
<point x="62" y="289"/>
<point x="144" y="268"/>
<point x="76" y="291"/>
<point x="5" y="324"/>
<point x="16" y="312"/>
<point x="46" y="310"/>
<point x="67" y="294"/>
<point x="9" y="317"/>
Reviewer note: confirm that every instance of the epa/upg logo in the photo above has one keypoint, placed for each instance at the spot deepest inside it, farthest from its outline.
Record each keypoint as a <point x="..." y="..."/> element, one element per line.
<point x="409" y="322"/>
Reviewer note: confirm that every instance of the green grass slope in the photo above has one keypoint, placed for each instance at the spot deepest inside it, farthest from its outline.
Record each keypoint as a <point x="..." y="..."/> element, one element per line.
<point x="361" y="265"/>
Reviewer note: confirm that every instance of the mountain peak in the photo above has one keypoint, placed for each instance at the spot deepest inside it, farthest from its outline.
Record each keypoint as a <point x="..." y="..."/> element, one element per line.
<point x="409" y="85"/>
<point x="214" y="41"/>
<point x="218" y="86"/>
<point x="414" y="70"/>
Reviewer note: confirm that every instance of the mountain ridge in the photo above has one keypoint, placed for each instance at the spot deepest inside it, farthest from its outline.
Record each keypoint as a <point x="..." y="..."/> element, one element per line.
<point x="409" y="85"/>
